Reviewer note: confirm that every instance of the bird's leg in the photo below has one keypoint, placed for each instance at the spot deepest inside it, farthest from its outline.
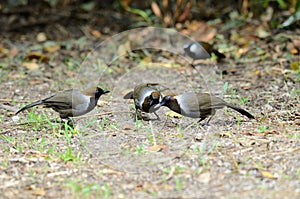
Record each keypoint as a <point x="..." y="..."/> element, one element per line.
<point x="213" y="112"/>
<point x="192" y="64"/>
<point x="157" y="116"/>
<point x="71" y="122"/>
<point x="135" y="115"/>
<point x="138" y="115"/>
<point x="201" y="119"/>
<point x="57" y="121"/>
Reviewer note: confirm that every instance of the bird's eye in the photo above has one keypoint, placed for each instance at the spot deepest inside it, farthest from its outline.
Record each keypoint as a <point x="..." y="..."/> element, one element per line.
<point x="168" y="98"/>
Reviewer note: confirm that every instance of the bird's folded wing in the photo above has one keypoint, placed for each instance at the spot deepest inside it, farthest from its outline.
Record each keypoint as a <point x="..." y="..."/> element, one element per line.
<point x="65" y="99"/>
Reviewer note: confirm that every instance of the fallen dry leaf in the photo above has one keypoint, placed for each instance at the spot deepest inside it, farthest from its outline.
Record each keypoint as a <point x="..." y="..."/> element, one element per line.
<point x="261" y="32"/>
<point x="101" y="103"/>
<point x="30" y="65"/>
<point x="3" y="51"/>
<point x="173" y="114"/>
<point x="155" y="9"/>
<point x="52" y="48"/>
<point x="14" y="51"/>
<point x="127" y="127"/>
<point x="41" y="37"/>
<point x="124" y="48"/>
<point x="204" y="177"/>
<point x="110" y="171"/>
<point x="295" y="66"/>
<point x="96" y="33"/>
<point x="37" y="56"/>
<point x="39" y="192"/>
<point x="267" y="174"/>
<point x="197" y="30"/>
<point x="156" y="148"/>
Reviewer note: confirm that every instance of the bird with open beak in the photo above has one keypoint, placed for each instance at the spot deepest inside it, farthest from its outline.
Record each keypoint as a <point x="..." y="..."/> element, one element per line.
<point x="145" y="97"/>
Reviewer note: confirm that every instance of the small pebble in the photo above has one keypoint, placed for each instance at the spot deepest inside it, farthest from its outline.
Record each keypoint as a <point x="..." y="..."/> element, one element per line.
<point x="16" y="118"/>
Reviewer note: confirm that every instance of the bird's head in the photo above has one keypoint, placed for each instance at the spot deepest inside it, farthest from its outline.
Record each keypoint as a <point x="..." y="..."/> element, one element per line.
<point x="99" y="91"/>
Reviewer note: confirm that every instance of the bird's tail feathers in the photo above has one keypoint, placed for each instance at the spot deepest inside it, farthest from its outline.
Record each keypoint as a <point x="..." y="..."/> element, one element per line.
<point x="218" y="54"/>
<point x="30" y="106"/>
<point x="241" y="111"/>
<point x="129" y="95"/>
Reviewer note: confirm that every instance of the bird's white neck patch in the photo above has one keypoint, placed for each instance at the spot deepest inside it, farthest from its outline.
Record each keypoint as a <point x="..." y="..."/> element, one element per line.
<point x="144" y="95"/>
<point x="194" y="47"/>
<point x="181" y="101"/>
<point x="147" y="94"/>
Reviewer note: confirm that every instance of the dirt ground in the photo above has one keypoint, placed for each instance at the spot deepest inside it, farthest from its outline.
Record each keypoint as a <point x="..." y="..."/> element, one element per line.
<point x="110" y="155"/>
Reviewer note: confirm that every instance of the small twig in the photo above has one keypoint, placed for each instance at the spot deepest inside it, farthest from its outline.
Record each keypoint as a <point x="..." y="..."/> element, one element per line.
<point x="169" y="176"/>
<point x="163" y="126"/>
<point x="235" y="164"/>
<point x="287" y="151"/>
<point x="153" y="134"/>
<point x="12" y="100"/>
<point x="101" y="114"/>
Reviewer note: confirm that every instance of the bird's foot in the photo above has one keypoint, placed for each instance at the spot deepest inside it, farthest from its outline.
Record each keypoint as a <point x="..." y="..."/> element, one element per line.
<point x="141" y="116"/>
<point x="157" y="116"/>
<point x="69" y="122"/>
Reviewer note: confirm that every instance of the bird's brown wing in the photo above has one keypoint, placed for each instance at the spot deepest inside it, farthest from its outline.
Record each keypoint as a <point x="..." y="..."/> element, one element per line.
<point x="62" y="98"/>
<point x="198" y="101"/>
<point x="138" y="89"/>
<point x="65" y="99"/>
<point x="201" y="104"/>
<point x="129" y="95"/>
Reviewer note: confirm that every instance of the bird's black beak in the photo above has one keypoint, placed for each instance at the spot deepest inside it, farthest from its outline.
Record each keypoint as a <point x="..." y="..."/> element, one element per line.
<point x="101" y="91"/>
<point x="162" y="103"/>
<point x="105" y="91"/>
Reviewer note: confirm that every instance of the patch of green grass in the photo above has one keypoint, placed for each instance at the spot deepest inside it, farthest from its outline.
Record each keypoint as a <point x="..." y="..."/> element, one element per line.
<point x="178" y="184"/>
<point x="239" y="120"/>
<point x="295" y="92"/>
<point x="73" y="64"/>
<point x="147" y="17"/>
<point x="296" y="136"/>
<point x="137" y="123"/>
<point x="70" y="156"/>
<point x="259" y="165"/>
<point x="201" y="158"/>
<point x="140" y="149"/>
<point x="298" y="172"/>
<point x="106" y="190"/>
<point x="1" y="118"/>
<point x="103" y="123"/>
<point x="90" y="189"/>
<point x="7" y="138"/>
<point x="225" y="88"/>
<point x="52" y="149"/>
<point x="40" y="144"/>
<point x="262" y="129"/>
<point x="32" y="173"/>
<point x="36" y="120"/>
<point x="288" y="177"/>
<point x="233" y="94"/>
<point x="243" y="100"/>
<point x="113" y="126"/>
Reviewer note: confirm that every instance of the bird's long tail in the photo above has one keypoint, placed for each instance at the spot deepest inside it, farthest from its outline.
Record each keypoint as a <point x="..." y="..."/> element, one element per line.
<point x="218" y="54"/>
<point x="30" y="106"/>
<point x="129" y="95"/>
<point x="241" y="111"/>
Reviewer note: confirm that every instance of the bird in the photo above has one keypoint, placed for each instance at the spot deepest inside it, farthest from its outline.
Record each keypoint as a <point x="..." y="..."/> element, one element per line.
<point x="200" y="50"/>
<point x="70" y="103"/>
<point x="198" y="105"/>
<point x="145" y="97"/>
